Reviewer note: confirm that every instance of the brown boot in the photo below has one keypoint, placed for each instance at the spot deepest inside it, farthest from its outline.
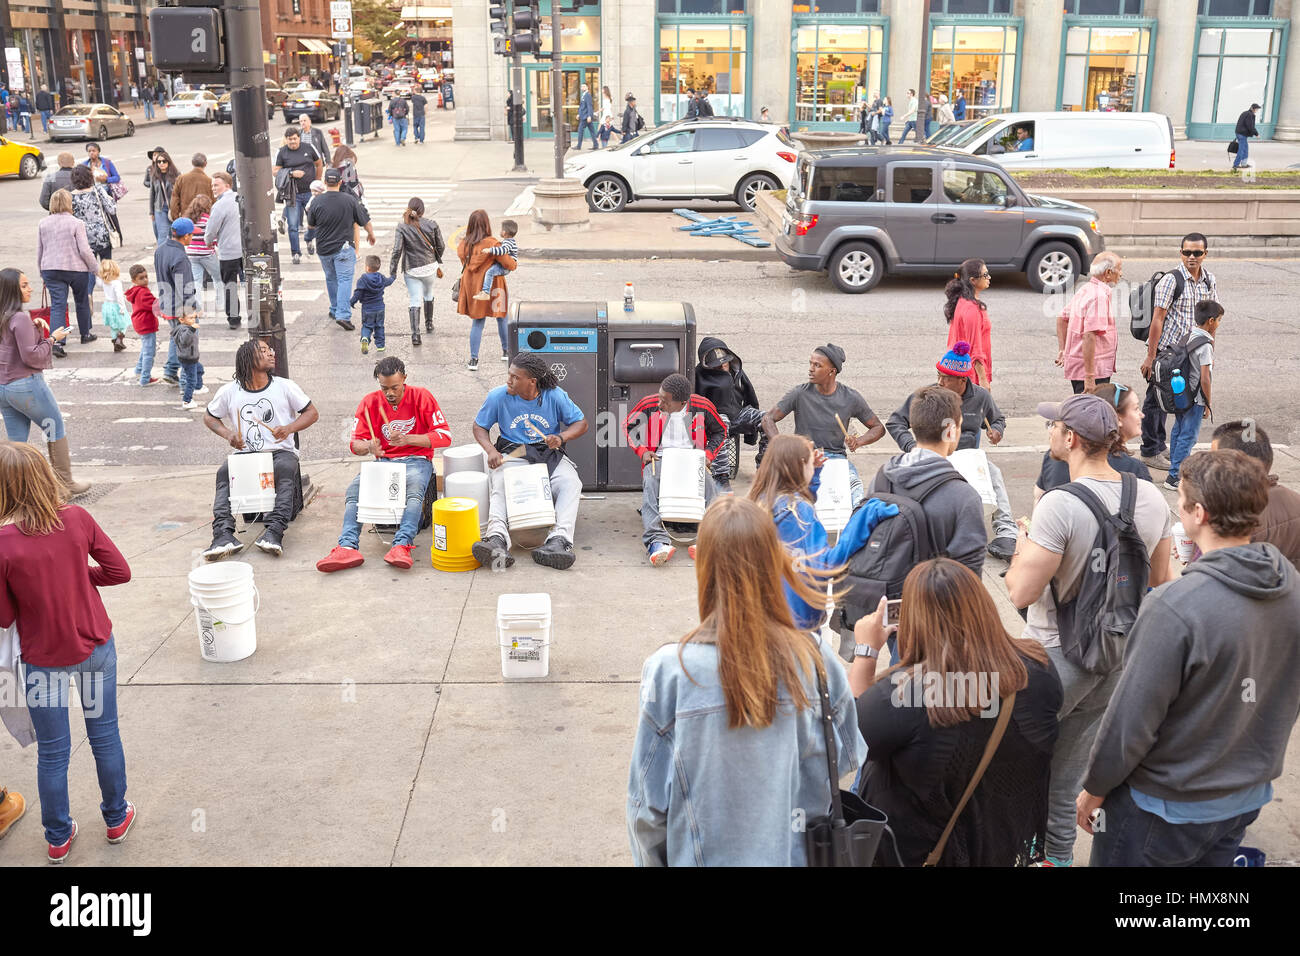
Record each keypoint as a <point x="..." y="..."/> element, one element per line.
<point x="62" y="464"/>
<point x="12" y="807"/>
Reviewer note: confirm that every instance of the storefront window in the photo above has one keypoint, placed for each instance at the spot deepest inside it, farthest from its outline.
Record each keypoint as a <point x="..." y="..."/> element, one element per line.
<point x="835" y="66"/>
<point x="1105" y="68"/>
<point x="702" y="6"/>
<point x="1234" y="68"/>
<point x="979" y="61"/>
<point x="1104" y="8"/>
<point x="836" y="6"/>
<point x="580" y="34"/>
<point x="710" y="56"/>
<point x="970" y="6"/>
<point x="1236" y="8"/>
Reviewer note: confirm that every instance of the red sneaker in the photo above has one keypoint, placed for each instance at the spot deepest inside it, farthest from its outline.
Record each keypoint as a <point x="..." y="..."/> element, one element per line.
<point x="58" y="854"/>
<point x="399" y="555"/>
<point x="340" y="559"/>
<point x="118" y="833"/>
<point x="691" y="552"/>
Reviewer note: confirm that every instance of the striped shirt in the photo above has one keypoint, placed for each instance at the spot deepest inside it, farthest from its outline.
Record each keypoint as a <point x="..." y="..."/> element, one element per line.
<point x="1179" y="316"/>
<point x="198" y="245"/>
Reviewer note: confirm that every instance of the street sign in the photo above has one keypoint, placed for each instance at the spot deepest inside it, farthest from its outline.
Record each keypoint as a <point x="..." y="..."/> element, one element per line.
<point x="341" y="19"/>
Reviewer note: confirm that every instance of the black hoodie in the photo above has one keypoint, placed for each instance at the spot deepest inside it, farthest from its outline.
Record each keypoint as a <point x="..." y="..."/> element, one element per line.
<point x="728" y="391"/>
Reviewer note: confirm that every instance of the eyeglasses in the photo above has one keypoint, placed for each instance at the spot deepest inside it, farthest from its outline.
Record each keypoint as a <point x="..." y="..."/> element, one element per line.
<point x="984" y="275"/>
<point x="1192" y="253"/>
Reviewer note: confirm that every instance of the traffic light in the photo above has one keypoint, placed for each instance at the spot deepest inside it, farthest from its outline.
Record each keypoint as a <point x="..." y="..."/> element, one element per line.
<point x="527" y="24"/>
<point x="500" y="27"/>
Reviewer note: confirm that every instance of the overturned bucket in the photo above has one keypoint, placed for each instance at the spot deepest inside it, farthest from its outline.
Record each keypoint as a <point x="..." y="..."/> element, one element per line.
<point x="225" y="603"/>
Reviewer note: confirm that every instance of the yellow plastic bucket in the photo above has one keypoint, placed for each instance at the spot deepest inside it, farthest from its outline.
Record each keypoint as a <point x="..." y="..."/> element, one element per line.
<point x="455" y="529"/>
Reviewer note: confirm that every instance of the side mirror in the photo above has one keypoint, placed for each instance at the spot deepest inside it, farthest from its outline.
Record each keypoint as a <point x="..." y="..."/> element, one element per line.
<point x="880" y="195"/>
<point x="1008" y="201"/>
<point x="996" y="148"/>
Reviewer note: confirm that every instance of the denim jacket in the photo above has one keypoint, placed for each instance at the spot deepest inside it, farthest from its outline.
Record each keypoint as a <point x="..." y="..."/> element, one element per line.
<point x="702" y="794"/>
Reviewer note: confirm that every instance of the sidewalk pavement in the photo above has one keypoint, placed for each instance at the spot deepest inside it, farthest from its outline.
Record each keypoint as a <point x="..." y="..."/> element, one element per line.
<point x="372" y="726"/>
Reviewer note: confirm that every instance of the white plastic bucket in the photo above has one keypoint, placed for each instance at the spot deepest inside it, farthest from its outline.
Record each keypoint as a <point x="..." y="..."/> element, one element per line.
<point x="382" y="496"/>
<point x="252" y="482"/>
<point x="835" y="495"/>
<point x="524" y="632"/>
<point x="528" y="496"/>
<point x="973" y="465"/>
<point x="470" y="484"/>
<point x="683" y="473"/>
<point x="463" y="458"/>
<point x="225" y="603"/>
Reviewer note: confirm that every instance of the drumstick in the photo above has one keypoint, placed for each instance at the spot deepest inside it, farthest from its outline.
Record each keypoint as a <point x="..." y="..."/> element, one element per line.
<point x="518" y="452"/>
<point x="529" y="425"/>
<point x="840" y="422"/>
<point x="373" y="433"/>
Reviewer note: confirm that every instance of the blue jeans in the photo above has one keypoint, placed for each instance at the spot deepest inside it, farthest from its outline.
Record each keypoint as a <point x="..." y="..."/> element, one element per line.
<point x="399" y="130"/>
<point x="372" y="328"/>
<point x="162" y="225"/>
<point x="148" y="109"/>
<point x="476" y="335"/>
<point x="494" y="270"/>
<point x="339" y="269"/>
<point x="1187" y="426"/>
<point x="61" y="282"/>
<point x="1134" y="837"/>
<point x="908" y="127"/>
<point x="171" y="368"/>
<point x="418" y="474"/>
<point x="148" y="346"/>
<point x="585" y="126"/>
<point x="45" y="121"/>
<point x="1243" y="151"/>
<point x="191" y="379"/>
<point x="293" y="215"/>
<point x="47" y="701"/>
<point x="25" y="402"/>
<point x="417" y="129"/>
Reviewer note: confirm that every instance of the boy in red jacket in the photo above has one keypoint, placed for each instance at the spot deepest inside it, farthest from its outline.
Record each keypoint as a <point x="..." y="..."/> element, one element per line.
<point x="144" y="319"/>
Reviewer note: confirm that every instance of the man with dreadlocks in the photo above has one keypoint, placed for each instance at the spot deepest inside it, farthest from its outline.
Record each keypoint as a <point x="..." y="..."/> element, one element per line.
<point x="258" y="412"/>
<point x="530" y="411"/>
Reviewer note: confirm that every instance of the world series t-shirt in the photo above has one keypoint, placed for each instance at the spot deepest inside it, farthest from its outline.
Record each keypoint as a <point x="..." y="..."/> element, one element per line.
<point x="255" y="413"/>
<point x="549" y="413"/>
<point x="814" y="413"/>
<point x="416" y="414"/>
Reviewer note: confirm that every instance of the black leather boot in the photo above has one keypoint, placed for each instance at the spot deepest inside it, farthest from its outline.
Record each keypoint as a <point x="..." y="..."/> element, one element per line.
<point x="428" y="315"/>
<point x="415" y="326"/>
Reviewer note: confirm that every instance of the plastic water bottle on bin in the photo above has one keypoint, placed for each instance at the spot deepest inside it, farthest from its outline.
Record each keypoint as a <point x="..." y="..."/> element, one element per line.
<point x="629" y="298"/>
<point x="1178" y="385"/>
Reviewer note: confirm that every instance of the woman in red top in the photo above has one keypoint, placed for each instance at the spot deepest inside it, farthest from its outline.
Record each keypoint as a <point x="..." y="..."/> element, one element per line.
<point x="968" y="318"/>
<point x="63" y="631"/>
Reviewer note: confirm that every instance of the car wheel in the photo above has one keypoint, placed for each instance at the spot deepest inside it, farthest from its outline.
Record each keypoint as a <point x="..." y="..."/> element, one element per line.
<point x="856" y="267"/>
<point x="172" y="121"/>
<point x="28" y="168"/>
<point x="1052" y="267"/>
<point x="130" y="128"/>
<point x="749" y="188"/>
<point x="607" y="194"/>
<point x="103" y="132"/>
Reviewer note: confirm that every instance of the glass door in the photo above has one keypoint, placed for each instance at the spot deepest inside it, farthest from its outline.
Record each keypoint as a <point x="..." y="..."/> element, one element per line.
<point x="540" y="120"/>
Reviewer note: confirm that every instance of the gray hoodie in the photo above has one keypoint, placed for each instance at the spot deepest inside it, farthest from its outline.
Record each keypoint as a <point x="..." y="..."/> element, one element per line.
<point x="953" y="511"/>
<point x="977" y="409"/>
<point x="1211" y="682"/>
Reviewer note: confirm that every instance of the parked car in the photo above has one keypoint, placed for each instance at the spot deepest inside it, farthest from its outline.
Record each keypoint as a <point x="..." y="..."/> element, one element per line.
<point x="1066" y="140"/>
<point x="317" y="104"/>
<point x="20" y="159"/>
<point x="192" y="106"/>
<point x="399" y="87"/>
<point x="862" y="212"/>
<point x="89" y="121"/>
<point x="223" y="108"/>
<point x="429" y="80"/>
<point x="712" y="158"/>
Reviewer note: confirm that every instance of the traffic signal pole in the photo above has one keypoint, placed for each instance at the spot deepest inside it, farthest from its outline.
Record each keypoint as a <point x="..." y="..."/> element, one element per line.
<point x="557" y="94"/>
<point x="517" y="111"/>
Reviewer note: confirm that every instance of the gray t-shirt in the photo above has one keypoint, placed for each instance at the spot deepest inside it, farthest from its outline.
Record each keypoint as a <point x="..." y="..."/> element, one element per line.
<point x="814" y="413"/>
<point x="1063" y="525"/>
<point x="1201" y="352"/>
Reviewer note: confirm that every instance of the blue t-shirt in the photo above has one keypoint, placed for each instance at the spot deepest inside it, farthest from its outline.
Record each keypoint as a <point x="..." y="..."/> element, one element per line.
<point x="550" y="413"/>
<point x="1026" y="145"/>
<point x="1205" y="811"/>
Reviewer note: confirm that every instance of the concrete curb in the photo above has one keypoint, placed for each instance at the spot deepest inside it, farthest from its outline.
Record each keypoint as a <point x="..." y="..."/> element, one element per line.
<point x="744" y="254"/>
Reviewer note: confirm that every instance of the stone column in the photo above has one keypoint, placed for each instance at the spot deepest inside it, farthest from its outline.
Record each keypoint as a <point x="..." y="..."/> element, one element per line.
<point x="1288" y="115"/>
<point x="638" y="60"/>
<point x="472" y="41"/>
<point x="1175" y="48"/>
<point x="908" y="21"/>
<point x="771" y="66"/>
<point x="1040" y="59"/>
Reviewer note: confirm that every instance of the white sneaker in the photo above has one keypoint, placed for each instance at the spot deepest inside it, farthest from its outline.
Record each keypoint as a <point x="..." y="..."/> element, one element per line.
<point x="202" y="390"/>
<point x="190" y="406"/>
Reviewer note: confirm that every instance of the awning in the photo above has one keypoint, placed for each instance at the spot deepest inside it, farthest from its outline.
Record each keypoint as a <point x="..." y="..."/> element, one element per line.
<point x="315" y="46"/>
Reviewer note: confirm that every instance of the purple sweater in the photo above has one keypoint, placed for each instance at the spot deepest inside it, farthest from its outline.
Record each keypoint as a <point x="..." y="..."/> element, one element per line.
<point x="23" y="350"/>
<point x="61" y="243"/>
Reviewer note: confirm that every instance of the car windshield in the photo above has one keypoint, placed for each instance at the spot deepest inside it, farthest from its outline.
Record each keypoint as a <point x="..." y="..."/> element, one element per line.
<point x="75" y="111"/>
<point x="188" y="96"/>
<point x="973" y="132"/>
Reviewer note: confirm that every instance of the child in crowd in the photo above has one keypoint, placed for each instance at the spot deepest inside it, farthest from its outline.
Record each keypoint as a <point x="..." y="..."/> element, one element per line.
<point x="317" y="188"/>
<point x="370" y="293"/>
<point x="186" y="335"/>
<point x="144" y="319"/>
<point x="114" y="311"/>
<point x="508" y="247"/>
<point x="1200" y="356"/>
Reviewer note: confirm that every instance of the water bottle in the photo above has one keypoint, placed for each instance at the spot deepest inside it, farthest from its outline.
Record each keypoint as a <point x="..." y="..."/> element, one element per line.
<point x="629" y="300"/>
<point x="1178" y="385"/>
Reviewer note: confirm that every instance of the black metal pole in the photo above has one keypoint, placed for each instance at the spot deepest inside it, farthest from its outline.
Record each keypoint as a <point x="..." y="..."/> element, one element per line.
<point x="557" y="94"/>
<point x="345" y="93"/>
<point x="517" y="112"/>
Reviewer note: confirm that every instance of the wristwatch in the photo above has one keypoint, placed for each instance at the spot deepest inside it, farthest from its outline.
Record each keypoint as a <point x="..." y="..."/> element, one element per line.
<point x="865" y="650"/>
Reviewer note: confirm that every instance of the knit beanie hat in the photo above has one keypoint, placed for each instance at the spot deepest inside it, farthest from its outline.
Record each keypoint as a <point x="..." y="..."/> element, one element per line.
<point x="833" y="353"/>
<point x="956" y="361"/>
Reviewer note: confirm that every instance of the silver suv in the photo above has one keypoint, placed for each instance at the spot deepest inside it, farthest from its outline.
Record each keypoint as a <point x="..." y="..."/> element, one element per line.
<point x="859" y="213"/>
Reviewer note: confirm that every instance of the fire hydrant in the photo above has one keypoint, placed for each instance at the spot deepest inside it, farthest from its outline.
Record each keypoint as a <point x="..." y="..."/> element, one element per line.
<point x="336" y="138"/>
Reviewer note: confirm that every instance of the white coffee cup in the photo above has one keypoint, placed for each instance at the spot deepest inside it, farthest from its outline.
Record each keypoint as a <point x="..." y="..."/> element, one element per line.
<point x="1183" y="545"/>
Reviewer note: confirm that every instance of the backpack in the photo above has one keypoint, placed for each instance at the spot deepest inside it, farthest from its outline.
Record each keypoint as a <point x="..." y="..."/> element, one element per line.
<point x="1176" y="357"/>
<point x="1095" y="625"/>
<point x="398" y="109"/>
<point x="1141" y="302"/>
<point x="351" y="183"/>
<point x="234" y="178"/>
<point x="896" y="545"/>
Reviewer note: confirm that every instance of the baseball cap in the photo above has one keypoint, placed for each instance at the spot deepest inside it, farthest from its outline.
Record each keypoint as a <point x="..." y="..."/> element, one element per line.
<point x="182" y="226"/>
<point x="333" y="176"/>
<point x="1090" y="416"/>
<point x="716" y="357"/>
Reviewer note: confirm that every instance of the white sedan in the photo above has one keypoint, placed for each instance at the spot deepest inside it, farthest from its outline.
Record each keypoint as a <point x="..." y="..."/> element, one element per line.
<point x="196" y="105"/>
<point x="712" y="158"/>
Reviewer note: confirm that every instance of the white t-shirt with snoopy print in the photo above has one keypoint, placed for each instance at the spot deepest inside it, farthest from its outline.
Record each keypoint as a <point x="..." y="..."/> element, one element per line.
<point x="256" y="413"/>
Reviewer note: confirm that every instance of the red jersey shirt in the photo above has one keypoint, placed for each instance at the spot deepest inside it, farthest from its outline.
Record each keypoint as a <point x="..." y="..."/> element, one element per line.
<point x="143" y="317"/>
<point x="416" y="414"/>
<point x="971" y="324"/>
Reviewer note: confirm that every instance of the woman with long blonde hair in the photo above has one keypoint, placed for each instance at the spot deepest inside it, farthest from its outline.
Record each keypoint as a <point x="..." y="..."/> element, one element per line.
<point x="64" y="632"/>
<point x="739" y="694"/>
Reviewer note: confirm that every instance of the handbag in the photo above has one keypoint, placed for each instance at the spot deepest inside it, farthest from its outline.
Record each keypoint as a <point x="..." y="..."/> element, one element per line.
<point x="43" y="313"/>
<point x="1233" y="146"/>
<point x="1000" y="728"/>
<point x="429" y="268"/>
<point x="851" y="834"/>
<point x="117" y="190"/>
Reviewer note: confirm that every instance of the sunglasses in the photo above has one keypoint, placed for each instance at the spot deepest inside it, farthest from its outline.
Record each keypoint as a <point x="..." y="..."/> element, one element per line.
<point x="1119" y="393"/>
<point x="1192" y="253"/>
<point x="984" y="275"/>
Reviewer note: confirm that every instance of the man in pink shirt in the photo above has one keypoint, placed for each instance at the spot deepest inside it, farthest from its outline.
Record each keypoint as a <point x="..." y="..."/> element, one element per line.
<point x="1085" y="329"/>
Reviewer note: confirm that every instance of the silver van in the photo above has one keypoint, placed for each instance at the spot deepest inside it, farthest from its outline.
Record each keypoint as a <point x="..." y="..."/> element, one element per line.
<point x="858" y="213"/>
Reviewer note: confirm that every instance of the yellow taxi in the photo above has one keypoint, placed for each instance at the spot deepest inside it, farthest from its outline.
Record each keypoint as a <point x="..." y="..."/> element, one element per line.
<point x="20" y="159"/>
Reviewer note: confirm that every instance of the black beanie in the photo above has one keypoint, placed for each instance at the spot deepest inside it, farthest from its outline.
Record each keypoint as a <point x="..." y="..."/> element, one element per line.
<point x="834" y="354"/>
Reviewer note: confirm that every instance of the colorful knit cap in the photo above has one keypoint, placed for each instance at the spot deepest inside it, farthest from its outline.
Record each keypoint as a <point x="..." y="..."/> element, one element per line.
<point x="957" y="361"/>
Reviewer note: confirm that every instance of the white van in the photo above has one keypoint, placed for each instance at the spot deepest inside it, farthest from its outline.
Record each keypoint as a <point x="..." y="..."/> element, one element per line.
<point x="1069" y="140"/>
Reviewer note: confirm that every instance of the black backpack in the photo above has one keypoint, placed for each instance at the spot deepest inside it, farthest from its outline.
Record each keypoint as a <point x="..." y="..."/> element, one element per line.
<point x="896" y="545"/>
<point x="1095" y="625"/>
<point x="398" y="109"/>
<point x="1176" y="358"/>
<point x="1141" y="302"/>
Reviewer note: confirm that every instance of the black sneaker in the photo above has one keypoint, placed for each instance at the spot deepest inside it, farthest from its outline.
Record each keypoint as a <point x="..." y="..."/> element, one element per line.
<point x="222" y="545"/>
<point x="345" y="324"/>
<point x="492" y="553"/>
<point x="1002" y="548"/>
<point x="170" y="380"/>
<point x="87" y="339"/>
<point x="270" y="542"/>
<point x="296" y="258"/>
<point x="311" y="247"/>
<point x="555" y="553"/>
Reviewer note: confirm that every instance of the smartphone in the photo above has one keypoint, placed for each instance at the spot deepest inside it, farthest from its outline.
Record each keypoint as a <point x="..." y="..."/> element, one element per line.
<point x="891" y="611"/>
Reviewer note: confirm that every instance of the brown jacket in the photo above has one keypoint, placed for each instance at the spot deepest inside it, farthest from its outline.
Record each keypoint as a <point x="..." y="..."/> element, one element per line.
<point x="194" y="183"/>
<point x="1279" y="525"/>
<point x="471" y="280"/>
